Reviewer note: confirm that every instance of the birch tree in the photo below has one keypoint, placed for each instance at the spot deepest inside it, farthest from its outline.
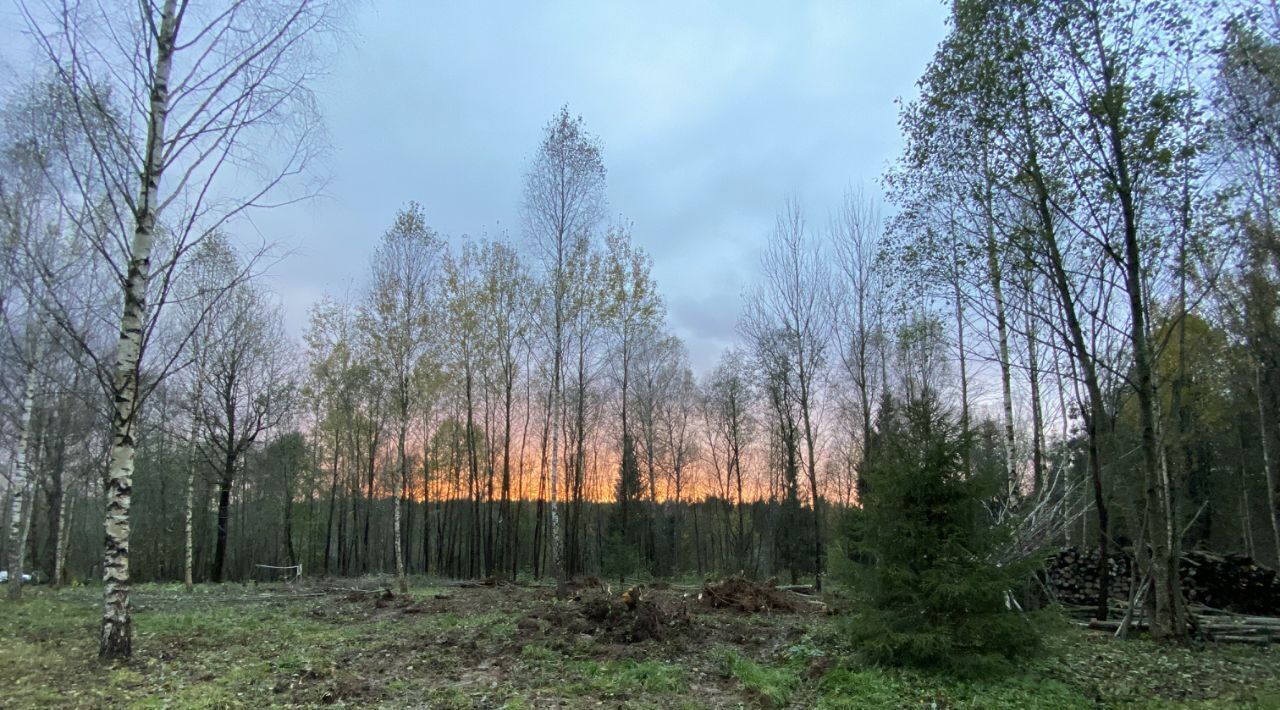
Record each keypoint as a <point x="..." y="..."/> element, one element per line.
<point x="214" y="268"/>
<point x="26" y="220"/>
<point x="506" y="313"/>
<point x="729" y="426"/>
<point x="1116" y="110"/>
<point x="207" y="86"/>
<point x="564" y="203"/>
<point x="20" y="483"/>
<point x="400" y="322"/>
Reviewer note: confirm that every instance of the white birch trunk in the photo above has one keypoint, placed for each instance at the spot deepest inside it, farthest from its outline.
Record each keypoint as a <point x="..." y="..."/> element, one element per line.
<point x="557" y="563"/>
<point x="19" y="482"/>
<point x="64" y="532"/>
<point x="399" y="543"/>
<point x="189" y="512"/>
<point x="188" y="564"/>
<point x="117" y="630"/>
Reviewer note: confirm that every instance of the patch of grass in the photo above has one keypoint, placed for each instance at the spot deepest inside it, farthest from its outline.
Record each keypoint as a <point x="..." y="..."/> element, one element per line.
<point x="538" y="654"/>
<point x="772" y="684"/>
<point x="620" y="677"/>
<point x="447" y="698"/>
<point x="495" y="624"/>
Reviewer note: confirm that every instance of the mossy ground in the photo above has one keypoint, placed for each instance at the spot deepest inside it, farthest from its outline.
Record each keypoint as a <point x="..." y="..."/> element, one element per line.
<point x="238" y="646"/>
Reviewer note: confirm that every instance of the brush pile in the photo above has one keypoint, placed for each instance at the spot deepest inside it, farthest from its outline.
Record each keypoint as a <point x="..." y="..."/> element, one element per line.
<point x="740" y="593"/>
<point x="633" y="617"/>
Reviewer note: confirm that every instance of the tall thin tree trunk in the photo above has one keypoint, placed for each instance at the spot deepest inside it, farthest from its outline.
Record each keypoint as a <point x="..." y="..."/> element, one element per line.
<point x="404" y="474"/>
<point x="1095" y="410"/>
<point x="117" y="627"/>
<point x="557" y="561"/>
<point x="504" y="509"/>
<point x="288" y="518"/>
<point x="192" y="462"/>
<point x="55" y="491"/>
<point x="21" y="479"/>
<point x="64" y="533"/>
<point x="188" y="517"/>
<point x="329" y="541"/>
<point x="426" y="504"/>
<point x="1037" y="410"/>
<point x="964" y="368"/>
<point x="1006" y="376"/>
<point x="225" y="484"/>
<point x="1270" y="475"/>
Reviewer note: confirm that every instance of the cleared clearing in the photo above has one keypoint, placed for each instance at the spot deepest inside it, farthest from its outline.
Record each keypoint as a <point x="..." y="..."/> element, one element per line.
<point x="446" y="645"/>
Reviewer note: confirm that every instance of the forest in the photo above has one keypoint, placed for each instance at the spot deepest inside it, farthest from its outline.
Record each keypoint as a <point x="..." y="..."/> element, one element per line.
<point x="1049" y="332"/>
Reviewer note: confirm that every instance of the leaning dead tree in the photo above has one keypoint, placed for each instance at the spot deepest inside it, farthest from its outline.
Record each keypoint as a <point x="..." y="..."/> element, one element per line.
<point x="200" y="87"/>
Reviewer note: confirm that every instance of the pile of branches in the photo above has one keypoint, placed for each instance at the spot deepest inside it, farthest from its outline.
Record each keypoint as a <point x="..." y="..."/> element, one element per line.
<point x="633" y="617"/>
<point x="740" y="593"/>
<point x="1230" y="582"/>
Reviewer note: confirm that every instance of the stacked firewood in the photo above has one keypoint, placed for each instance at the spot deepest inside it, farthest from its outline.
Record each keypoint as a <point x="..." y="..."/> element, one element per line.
<point x="1073" y="576"/>
<point x="1230" y="582"/>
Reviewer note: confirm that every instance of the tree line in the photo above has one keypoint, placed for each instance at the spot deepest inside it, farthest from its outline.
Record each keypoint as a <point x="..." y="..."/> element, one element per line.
<point x="1078" y="262"/>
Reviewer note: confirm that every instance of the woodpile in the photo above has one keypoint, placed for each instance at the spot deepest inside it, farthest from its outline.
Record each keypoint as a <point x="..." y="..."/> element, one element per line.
<point x="1229" y="582"/>
<point x="1072" y="575"/>
<point x="1232" y="582"/>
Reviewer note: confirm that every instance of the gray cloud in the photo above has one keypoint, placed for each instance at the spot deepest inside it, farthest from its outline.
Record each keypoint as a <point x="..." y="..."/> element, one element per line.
<point x="711" y="114"/>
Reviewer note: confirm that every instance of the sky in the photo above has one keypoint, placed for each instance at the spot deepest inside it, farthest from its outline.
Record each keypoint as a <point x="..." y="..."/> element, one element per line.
<point x="711" y="114"/>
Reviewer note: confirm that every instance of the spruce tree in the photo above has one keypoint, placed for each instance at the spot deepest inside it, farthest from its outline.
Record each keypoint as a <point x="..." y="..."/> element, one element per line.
<point x="931" y="594"/>
<point x="621" y="553"/>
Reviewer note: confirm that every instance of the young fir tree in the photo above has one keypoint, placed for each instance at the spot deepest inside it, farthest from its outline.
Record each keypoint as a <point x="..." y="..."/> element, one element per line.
<point x="930" y="593"/>
<point x="621" y="554"/>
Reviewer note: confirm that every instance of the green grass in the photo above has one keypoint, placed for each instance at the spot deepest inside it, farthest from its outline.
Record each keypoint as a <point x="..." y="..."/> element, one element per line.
<point x="771" y="684"/>
<point x="231" y="647"/>
<point x="627" y="677"/>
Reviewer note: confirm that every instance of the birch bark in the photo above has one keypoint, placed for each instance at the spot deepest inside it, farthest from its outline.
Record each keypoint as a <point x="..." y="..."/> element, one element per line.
<point x="21" y="480"/>
<point x="117" y="629"/>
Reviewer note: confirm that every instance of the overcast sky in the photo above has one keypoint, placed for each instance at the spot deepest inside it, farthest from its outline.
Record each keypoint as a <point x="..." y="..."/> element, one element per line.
<point x="711" y="115"/>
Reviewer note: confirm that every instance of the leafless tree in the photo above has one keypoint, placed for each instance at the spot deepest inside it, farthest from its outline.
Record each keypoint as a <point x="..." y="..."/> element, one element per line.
<point x="855" y="235"/>
<point x="794" y="300"/>
<point x="249" y="390"/>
